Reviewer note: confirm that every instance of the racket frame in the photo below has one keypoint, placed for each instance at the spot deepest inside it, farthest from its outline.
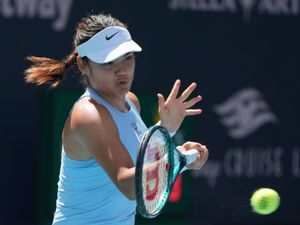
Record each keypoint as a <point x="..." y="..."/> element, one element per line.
<point x="177" y="161"/>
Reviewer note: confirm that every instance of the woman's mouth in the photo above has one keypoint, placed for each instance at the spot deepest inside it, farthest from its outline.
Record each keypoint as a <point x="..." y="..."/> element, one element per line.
<point x="123" y="83"/>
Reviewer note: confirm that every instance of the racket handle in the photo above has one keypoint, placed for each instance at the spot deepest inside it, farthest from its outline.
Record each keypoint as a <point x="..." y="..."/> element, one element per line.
<point x="190" y="156"/>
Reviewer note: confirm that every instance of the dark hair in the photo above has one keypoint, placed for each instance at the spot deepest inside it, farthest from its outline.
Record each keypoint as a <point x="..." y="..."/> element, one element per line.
<point x="52" y="71"/>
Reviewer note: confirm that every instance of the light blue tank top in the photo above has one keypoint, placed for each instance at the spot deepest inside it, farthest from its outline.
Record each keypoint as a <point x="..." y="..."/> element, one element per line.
<point x="86" y="195"/>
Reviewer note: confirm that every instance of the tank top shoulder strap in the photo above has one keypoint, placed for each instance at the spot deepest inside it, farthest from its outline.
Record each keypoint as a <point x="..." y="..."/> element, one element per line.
<point x="132" y="106"/>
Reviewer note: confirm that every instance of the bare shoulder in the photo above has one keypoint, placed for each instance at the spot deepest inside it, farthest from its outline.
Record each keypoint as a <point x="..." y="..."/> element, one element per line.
<point x="134" y="100"/>
<point x="86" y="124"/>
<point x="87" y="113"/>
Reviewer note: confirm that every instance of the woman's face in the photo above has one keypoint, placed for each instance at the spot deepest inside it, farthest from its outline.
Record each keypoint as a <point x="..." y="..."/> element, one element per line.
<point x="112" y="79"/>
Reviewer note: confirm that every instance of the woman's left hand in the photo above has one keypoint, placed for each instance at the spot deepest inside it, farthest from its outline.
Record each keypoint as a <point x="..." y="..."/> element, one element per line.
<point x="173" y="110"/>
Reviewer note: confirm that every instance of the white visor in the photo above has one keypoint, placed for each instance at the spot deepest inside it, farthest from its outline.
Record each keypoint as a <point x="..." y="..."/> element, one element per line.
<point x="108" y="45"/>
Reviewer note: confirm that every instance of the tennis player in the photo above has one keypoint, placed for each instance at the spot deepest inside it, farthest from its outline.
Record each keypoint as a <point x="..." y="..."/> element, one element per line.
<point x="102" y="133"/>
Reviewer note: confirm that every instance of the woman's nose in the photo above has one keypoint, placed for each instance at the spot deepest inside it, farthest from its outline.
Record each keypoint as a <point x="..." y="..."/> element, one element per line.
<point x="122" y="67"/>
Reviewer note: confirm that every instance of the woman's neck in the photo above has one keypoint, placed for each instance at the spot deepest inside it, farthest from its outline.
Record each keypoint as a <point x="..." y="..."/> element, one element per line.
<point x="118" y="102"/>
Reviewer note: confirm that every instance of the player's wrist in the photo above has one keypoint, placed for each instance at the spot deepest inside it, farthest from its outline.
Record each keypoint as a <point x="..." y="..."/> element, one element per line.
<point x="171" y="133"/>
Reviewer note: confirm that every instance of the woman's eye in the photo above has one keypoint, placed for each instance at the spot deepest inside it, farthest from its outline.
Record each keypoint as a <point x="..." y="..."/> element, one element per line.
<point x="128" y="57"/>
<point x="109" y="63"/>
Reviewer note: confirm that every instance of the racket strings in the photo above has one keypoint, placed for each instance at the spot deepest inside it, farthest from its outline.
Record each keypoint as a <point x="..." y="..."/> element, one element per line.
<point x="155" y="172"/>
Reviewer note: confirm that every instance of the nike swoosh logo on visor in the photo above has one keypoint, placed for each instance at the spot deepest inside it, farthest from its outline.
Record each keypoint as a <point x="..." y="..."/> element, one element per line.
<point x="111" y="36"/>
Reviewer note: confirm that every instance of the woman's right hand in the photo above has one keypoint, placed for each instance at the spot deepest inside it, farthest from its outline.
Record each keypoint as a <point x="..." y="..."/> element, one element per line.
<point x="202" y="156"/>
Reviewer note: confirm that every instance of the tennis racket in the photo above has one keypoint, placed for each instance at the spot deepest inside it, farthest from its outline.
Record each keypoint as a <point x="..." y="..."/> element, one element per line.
<point x="158" y="165"/>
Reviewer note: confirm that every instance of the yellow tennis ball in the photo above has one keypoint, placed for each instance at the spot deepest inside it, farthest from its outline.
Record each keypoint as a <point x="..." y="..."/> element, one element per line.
<point x="265" y="201"/>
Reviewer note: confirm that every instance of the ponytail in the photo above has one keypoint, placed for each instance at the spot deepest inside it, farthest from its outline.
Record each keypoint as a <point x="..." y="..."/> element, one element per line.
<point x="48" y="71"/>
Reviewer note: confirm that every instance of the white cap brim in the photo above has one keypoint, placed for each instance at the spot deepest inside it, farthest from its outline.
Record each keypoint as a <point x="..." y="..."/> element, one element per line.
<point x="113" y="53"/>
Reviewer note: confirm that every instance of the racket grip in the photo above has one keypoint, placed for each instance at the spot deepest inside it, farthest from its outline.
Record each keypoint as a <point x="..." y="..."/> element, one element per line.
<point x="190" y="156"/>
